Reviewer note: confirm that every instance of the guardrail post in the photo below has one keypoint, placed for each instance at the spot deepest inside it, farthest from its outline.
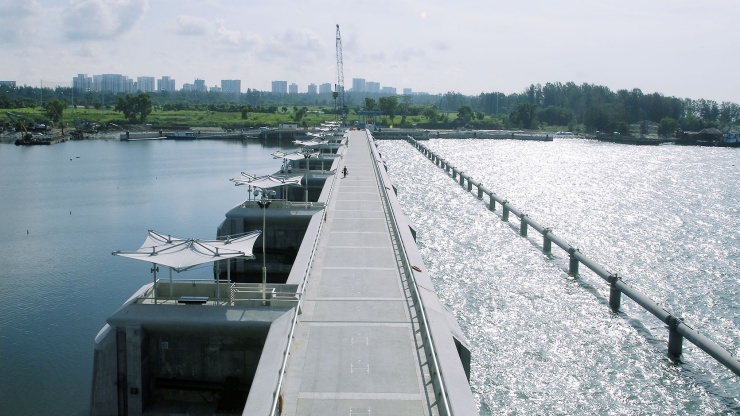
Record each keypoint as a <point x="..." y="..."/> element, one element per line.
<point x="470" y="184"/>
<point x="573" y="267"/>
<point x="480" y="191"/>
<point x="523" y="226"/>
<point x="462" y="179"/>
<point x="454" y="173"/>
<point x="505" y="214"/>
<point x="615" y="295"/>
<point x="492" y="205"/>
<point x="675" y="339"/>
<point x="546" y="242"/>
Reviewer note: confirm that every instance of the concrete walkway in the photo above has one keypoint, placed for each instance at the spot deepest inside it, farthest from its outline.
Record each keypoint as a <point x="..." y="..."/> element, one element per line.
<point x="356" y="349"/>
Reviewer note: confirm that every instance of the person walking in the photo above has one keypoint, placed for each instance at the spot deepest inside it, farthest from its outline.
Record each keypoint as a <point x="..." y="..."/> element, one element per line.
<point x="344" y="172"/>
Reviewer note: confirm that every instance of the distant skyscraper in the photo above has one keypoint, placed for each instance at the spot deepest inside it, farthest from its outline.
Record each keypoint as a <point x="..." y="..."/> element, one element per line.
<point x="82" y="83"/>
<point x="165" y="84"/>
<point x="279" y="87"/>
<point x="407" y="91"/>
<point x="312" y="89"/>
<point x="115" y="83"/>
<point x="388" y="90"/>
<point x="231" y="86"/>
<point x="293" y="88"/>
<point x="145" y="84"/>
<point x="358" y="84"/>
<point x="325" y="88"/>
<point x="200" y="85"/>
<point x="372" y="87"/>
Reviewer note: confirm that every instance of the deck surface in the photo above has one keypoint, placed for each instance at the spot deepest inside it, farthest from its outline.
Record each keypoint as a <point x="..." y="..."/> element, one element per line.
<point x="356" y="350"/>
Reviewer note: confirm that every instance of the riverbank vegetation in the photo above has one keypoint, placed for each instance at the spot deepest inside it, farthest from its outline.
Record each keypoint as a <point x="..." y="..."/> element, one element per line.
<point x="582" y="108"/>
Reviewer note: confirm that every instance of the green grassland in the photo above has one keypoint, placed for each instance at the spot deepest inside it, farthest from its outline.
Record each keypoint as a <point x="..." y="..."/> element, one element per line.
<point x="199" y="118"/>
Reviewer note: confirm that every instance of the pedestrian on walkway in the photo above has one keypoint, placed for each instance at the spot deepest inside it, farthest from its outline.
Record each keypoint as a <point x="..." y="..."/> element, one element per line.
<point x="344" y="172"/>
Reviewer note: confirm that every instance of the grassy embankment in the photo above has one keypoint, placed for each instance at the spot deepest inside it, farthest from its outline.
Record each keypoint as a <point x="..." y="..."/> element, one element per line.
<point x="203" y="118"/>
<point x="189" y="118"/>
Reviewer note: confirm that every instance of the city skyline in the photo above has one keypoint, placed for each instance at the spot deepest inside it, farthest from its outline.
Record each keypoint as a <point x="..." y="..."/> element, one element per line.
<point x="677" y="48"/>
<point x="119" y="83"/>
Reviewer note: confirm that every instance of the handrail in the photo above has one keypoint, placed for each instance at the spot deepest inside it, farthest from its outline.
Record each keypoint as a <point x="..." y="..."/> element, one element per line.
<point x="677" y="328"/>
<point x="424" y="323"/>
<point x="276" y="393"/>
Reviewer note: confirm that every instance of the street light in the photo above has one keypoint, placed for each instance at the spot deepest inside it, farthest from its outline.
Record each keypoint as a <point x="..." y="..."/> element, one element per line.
<point x="264" y="203"/>
<point x="307" y="155"/>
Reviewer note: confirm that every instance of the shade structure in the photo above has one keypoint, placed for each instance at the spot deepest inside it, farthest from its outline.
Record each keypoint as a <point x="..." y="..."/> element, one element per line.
<point x="181" y="254"/>
<point x="293" y="155"/>
<point x="310" y="143"/>
<point x="267" y="181"/>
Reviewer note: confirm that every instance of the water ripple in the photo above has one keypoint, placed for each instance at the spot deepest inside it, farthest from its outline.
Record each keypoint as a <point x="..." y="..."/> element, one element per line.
<point x="664" y="217"/>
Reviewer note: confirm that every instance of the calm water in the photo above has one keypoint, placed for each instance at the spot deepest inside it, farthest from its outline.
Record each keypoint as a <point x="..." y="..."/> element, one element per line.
<point x="63" y="210"/>
<point x="665" y="218"/>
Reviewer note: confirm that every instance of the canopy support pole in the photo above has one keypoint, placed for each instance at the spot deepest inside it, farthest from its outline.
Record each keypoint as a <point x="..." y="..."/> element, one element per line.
<point x="154" y="286"/>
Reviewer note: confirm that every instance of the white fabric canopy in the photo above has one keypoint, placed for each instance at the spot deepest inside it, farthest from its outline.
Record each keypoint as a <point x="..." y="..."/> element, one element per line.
<point x="268" y="181"/>
<point x="293" y="156"/>
<point x="181" y="254"/>
<point x="310" y="143"/>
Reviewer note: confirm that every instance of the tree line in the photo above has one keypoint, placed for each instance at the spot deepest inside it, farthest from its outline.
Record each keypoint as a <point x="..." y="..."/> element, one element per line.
<point x="585" y="107"/>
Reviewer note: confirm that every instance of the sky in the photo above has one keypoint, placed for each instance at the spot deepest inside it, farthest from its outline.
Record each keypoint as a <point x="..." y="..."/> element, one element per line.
<point x="680" y="48"/>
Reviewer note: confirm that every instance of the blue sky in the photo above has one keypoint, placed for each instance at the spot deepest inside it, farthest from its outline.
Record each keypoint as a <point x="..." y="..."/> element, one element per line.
<point x="687" y="49"/>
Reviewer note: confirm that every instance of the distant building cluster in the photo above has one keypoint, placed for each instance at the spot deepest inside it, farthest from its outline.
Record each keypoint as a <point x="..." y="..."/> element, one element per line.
<point x="117" y="83"/>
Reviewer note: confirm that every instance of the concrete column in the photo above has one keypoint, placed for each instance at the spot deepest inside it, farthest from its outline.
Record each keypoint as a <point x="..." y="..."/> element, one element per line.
<point x="675" y="339"/>
<point x="134" y="391"/>
<point x="523" y="226"/>
<point x="615" y="295"/>
<point x="573" y="267"/>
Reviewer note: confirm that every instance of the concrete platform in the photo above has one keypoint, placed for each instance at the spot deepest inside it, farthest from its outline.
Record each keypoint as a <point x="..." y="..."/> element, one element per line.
<point x="356" y="349"/>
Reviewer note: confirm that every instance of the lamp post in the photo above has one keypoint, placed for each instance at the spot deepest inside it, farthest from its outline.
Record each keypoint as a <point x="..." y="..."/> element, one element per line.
<point x="264" y="203"/>
<point x="307" y="155"/>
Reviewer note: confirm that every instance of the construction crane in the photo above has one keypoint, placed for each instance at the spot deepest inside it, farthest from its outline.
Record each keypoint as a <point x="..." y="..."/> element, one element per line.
<point x="339" y="88"/>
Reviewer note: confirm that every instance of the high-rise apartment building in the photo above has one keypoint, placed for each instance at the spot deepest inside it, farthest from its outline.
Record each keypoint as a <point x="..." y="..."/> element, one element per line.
<point x="325" y="88"/>
<point x="312" y="89"/>
<point x="231" y="86"/>
<point x="82" y="83"/>
<point x="372" y="87"/>
<point x="358" y="84"/>
<point x="388" y="90"/>
<point x="115" y="83"/>
<point x="279" y="87"/>
<point x="293" y="88"/>
<point x="145" y="84"/>
<point x="200" y="85"/>
<point x="165" y="84"/>
<point x="407" y="91"/>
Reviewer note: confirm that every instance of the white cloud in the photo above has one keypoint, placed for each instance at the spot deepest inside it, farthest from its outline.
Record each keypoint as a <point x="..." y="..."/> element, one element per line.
<point x="296" y="45"/>
<point x="214" y="32"/>
<point x="191" y="26"/>
<point x="18" y="20"/>
<point x="102" y="19"/>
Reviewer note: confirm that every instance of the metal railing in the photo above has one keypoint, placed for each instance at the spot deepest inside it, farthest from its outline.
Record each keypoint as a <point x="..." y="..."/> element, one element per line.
<point x="676" y="327"/>
<point x="435" y="370"/>
<point x="277" y="398"/>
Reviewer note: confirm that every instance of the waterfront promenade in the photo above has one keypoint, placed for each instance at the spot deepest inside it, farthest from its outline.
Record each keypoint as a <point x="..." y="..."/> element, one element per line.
<point x="357" y="348"/>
